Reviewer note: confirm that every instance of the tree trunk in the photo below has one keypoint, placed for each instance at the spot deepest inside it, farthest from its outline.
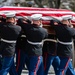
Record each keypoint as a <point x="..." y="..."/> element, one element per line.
<point x="39" y="3"/>
<point x="54" y="3"/>
<point x="58" y="2"/>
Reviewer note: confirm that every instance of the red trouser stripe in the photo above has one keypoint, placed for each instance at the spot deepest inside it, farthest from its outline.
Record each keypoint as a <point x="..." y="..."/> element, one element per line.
<point x="37" y="65"/>
<point x="45" y="58"/>
<point x="18" y="62"/>
<point x="66" y="66"/>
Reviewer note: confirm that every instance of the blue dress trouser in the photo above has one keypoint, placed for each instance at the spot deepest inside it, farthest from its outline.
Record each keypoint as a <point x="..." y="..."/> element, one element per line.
<point x="64" y="63"/>
<point x="56" y="64"/>
<point x="36" y="65"/>
<point x="0" y="62"/>
<point x="7" y="64"/>
<point x="51" y="60"/>
<point x="22" y="57"/>
<point x="13" y="70"/>
<point x="70" y="70"/>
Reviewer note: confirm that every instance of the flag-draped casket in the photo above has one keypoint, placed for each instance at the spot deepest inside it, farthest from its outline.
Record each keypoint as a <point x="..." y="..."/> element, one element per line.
<point x="46" y="12"/>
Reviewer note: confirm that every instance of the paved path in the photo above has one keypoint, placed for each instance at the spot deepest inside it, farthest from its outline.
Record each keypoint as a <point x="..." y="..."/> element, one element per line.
<point x="51" y="72"/>
<point x="24" y="72"/>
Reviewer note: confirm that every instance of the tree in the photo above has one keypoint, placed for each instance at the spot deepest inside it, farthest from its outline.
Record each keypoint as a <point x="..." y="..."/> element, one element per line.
<point x="50" y="3"/>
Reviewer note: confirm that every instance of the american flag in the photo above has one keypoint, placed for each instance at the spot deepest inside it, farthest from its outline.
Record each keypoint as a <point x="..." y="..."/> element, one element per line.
<point x="46" y="12"/>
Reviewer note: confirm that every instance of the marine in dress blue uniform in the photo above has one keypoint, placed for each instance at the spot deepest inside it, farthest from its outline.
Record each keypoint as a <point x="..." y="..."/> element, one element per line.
<point x="50" y="55"/>
<point x="9" y="33"/>
<point x="64" y="34"/>
<point x="35" y="34"/>
<point x="2" y="20"/>
<point x="21" y="54"/>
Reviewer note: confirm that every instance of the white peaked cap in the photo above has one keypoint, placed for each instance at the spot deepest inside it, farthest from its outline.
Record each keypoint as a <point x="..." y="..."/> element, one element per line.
<point x="1" y="13"/>
<point x="36" y="16"/>
<point x="73" y="18"/>
<point x="66" y="17"/>
<point x="10" y="14"/>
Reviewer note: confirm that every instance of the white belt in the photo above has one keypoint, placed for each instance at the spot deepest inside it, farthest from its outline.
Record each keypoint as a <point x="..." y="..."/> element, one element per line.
<point x="23" y="35"/>
<point x="7" y="41"/>
<point x="35" y="43"/>
<point x="64" y="43"/>
<point x="50" y="40"/>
